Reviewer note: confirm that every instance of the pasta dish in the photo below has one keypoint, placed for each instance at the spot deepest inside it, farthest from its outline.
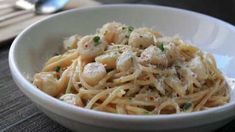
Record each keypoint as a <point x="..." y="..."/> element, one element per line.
<point x="126" y="70"/>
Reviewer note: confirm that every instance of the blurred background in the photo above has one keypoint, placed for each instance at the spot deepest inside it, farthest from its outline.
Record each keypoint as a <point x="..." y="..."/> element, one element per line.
<point x="222" y="9"/>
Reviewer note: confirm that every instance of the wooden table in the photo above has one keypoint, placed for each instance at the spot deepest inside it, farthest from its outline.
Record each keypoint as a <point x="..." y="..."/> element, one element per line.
<point x="18" y="113"/>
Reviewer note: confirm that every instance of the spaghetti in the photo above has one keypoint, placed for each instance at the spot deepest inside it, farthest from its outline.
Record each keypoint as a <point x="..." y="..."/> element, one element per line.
<point x="127" y="70"/>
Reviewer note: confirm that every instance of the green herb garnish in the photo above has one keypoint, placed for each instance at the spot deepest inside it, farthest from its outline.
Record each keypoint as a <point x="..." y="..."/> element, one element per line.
<point x="130" y="28"/>
<point x="146" y="112"/>
<point x="96" y="40"/>
<point x="186" y="106"/>
<point x="57" y="69"/>
<point x="161" y="47"/>
<point x="132" y="59"/>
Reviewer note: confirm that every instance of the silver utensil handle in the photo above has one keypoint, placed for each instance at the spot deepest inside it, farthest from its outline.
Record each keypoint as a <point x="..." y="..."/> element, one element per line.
<point x="14" y="14"/>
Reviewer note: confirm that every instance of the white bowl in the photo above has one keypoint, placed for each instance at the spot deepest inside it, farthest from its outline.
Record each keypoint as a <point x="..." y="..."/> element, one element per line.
<point x="39" y="41"/>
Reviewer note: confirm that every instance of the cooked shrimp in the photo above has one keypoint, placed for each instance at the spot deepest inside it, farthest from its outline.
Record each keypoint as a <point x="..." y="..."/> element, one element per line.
<point x="198" y="68"/>
<point x="71" y="42"/>
<point x="125" y="61"/>
<point x="93" y="73"/>
<point x="115" y="33"/>
<point x="141" y="38"/>
<point x="108" y="59"/>
<point x="47" y="82"/>
<point x="90" y="46"/>
<point x="162" y="55"/>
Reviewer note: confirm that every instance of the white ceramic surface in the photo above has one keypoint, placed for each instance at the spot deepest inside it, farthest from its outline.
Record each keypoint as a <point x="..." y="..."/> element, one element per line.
<point x="39" y="41"/>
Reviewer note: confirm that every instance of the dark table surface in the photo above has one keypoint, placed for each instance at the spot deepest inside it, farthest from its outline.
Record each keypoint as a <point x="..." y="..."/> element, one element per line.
<point x="18" y="113"/>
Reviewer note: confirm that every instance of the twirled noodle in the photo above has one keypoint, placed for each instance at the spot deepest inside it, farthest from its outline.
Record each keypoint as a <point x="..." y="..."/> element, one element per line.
<point x="63" y="61"/>
<point x="126" y="70"/>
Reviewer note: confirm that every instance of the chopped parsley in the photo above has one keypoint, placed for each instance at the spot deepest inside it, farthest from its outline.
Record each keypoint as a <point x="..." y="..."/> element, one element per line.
<point x="69" y="47"/>
<point x="146" y="112"/>
<point x="57" y="69"/>
<point x="161" y="47"/>
<point x="96" y="40"/>
<point x="132" y="59"/>
<point x="130" y="28"/>
<point x="186" y="106"/>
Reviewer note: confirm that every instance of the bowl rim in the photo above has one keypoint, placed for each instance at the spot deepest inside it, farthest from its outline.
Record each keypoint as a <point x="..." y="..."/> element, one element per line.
<point x="29" y="87"/>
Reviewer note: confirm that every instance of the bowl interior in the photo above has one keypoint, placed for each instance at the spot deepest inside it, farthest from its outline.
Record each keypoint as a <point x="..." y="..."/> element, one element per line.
<point x="42" y="40"/>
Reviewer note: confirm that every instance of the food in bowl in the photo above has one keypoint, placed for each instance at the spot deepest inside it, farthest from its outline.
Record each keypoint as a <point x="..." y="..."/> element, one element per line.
<point x="138" y="71"/>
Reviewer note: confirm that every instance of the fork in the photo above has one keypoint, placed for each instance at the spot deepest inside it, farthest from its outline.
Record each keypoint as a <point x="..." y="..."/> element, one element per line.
<point x="22" y="6"/>
<point x="36" y="6"/>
